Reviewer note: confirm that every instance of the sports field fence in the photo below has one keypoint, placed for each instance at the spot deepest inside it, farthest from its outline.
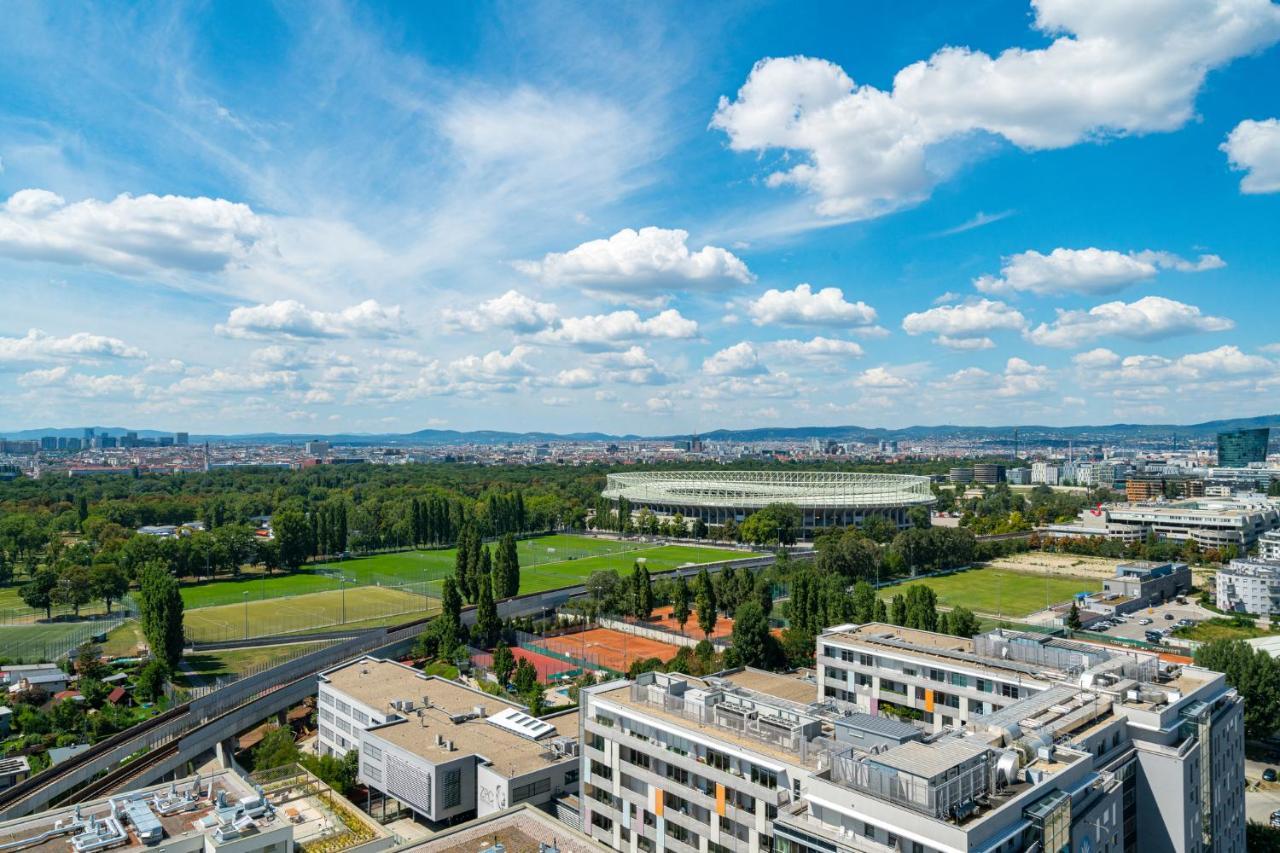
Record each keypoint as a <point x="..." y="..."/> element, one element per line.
<point x="41" y="642"/>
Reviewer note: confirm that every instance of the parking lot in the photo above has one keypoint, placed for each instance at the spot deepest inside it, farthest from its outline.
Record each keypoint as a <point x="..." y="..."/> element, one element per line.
<point x="1133" y="630"/>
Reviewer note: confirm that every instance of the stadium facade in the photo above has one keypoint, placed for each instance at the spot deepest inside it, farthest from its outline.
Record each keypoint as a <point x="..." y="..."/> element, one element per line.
<point x="825" y="498"/>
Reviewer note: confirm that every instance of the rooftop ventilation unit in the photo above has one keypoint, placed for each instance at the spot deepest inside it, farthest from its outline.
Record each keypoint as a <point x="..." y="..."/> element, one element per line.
<point x="520" y="723"/>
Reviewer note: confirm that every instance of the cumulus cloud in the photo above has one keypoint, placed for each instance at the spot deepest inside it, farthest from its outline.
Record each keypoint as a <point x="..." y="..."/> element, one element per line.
<point x="576" y="377"/>
<point x="1148" y="318"/>
<point x="640" y="263"/>
<point x="1020" y="378"/>
<point x="633" y="366"/>
<point x="279" y="357"/>
<point x="882" y="378"/>
<point x="62" y="379"/>
<point x="494" y="367"/>
<point x="965" y="326"/>
<point x="223" y="381"/>
<point x="36" y="345"/>
<point x="815" y="349"/>
<point x="130" y="234"/>
<point x="1203" y="369"/>
<point x="1113" y="69"/>
<point x="1253" y="147"/>
<point x="620" y="329"/>
<point x="1085" y="271"/>
<point x="803" y="307"/>
<point x="741" y="359"/>
<point x="512" y="311"/>
<point x="288" y="318"/>
<point x="1100" y="357"/>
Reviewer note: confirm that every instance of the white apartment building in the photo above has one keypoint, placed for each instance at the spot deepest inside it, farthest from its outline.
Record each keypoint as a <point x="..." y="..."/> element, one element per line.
<point x="1211" y="523"/>
<point x="1049" y="745"/>
<point x="1269" y="546"/>
<point x="442" y="749"/>
<point x="1249" y="586"/>
<point x="1046" y="473"/>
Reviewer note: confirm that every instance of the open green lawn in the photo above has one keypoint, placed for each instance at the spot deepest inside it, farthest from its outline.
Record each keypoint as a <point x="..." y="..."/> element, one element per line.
<point x="1223" y="628"/>
<point x="546" y="562"/>
<point x="201" y="668"/>
<point x="307" y="612"/>
<point x="999" y="592"/>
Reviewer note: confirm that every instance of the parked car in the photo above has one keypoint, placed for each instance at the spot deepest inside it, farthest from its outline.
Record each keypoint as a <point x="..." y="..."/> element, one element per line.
<point x="1144" y="621"/>
<point x="1269" y="775"/>
<point x="1169" y="616"/>
<point x="1154" y="636"/>
<point x="1275" y="819"/>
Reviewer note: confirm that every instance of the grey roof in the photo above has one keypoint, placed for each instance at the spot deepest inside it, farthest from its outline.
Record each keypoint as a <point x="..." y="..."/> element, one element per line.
<point x="928" y="760"/>
<point x="1038" y="703"/>
<point x="886" y="726"/>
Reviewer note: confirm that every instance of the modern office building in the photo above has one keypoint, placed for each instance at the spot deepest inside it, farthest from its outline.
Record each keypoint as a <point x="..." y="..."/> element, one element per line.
<point x="960" y="475"/>
<point x="1211" y="523"/>
<point x="988" y="473"/>
<point x="1045" y="473"/>
<point x="1142" y="583"/>
<point x="1249" y="586"/>
<point x="1240" y="447"/>
<point x="1255" y="477"/>
<point x="181" y="439"/>
<point x="1018" y="476"/>
<point x="317" y="448"/>
<point x="442" y="749"/>
<point x="1049" y="745"/>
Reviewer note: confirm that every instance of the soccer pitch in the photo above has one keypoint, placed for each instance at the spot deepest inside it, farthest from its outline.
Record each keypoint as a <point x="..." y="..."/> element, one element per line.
<point x="37" y="642"/>
<point x="546" y="562"/>
<point x="998" y="592"/>
<point x="305" y="612"/>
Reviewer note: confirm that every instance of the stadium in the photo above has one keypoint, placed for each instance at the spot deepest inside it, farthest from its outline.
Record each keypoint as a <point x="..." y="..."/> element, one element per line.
<point x="825" y="498"/>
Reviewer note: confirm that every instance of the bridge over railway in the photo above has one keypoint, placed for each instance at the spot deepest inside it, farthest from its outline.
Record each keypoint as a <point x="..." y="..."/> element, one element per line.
<point x="167" y="743"/>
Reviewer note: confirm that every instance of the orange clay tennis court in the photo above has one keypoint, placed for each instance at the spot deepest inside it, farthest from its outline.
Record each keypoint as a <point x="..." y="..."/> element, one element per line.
<point x="609" y="649"/>
<point x="662" y="619"/>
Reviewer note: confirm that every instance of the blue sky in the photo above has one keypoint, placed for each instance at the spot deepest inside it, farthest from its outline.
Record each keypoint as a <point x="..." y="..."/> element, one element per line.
<point x="319" y="217"/>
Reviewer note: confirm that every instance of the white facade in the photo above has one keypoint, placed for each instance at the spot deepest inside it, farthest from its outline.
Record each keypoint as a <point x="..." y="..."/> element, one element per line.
<point x="1269" y="546"/>
<point x="1249" y="586"/>
<point x="1045" y="473"/>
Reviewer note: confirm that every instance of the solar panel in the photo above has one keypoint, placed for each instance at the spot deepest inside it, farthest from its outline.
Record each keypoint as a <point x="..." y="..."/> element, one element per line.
<point x="520" y="723"/>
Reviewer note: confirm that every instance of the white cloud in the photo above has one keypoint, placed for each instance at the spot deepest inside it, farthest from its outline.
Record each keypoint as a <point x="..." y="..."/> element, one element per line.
<point x="40" y="346"/>
<point x="1148" y="318"/>
<point x="803" y="307"/>
<point x="130" y="234"/>
<point x="815" y="349"/>
<point x="289" y="318"/>
<point x="1253" y="147"/>
<point x="556" y="402"/>
<point x="619" y="329"/>
<point x="741" y="359"/>
<point x="223" y="381"/>
<point x="1112" y="69"/>
<point x="1084" y="271"/>
<point x="882" y="378"/>
<point x="512" y="310"/>
<point x="1202" y="370"/>
<point x="279" y="357"/>
<point x="645" y="262"/>
<point x="576" y="377"/>
<point x="632" y="366"/>
<point x="659" y="405"/>
<point x="965" y="326"/>
<point x="1100" y="357"/>
<point x="495" y="366"/>
<point x="1020" y="378"/>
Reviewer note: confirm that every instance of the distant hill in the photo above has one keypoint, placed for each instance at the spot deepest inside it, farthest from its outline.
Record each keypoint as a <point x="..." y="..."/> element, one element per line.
<point x="1026" y="432"/>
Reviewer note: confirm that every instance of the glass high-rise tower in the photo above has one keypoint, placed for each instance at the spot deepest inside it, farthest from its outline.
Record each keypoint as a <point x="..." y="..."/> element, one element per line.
<point x="1239" y="447"/>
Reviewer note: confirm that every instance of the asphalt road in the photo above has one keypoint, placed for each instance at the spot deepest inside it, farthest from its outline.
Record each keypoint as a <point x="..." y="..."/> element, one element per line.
<point x="1261" y="802"/>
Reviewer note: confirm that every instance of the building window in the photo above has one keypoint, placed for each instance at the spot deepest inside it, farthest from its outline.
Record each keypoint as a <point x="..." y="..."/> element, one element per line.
<point x="764" y="777"/>
<point x="600" y="770"/>
<point x="372" y="751"/>
<point x="599" y="820"/>
<point x="571" y="777"/>
<point x="451" y="789"/>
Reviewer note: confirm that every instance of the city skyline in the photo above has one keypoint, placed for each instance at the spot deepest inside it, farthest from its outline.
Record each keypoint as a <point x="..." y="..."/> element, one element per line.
<point x="372" y="219"/>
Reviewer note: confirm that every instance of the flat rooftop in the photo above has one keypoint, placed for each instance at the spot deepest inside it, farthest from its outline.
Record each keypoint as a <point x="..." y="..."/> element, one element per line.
<point x="377" y="683"/>
<point x="510" y="754"/>
<point x="792" y="687"/>
<point x="622" y="696"/>
<point x="182" y="824"/>
<point x="943" y="647"/>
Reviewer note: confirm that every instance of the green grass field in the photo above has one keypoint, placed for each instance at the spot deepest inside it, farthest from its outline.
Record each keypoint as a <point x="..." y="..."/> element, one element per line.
<point x="999" y="592"/>
<point x="204" y="667"/>
<point x="1221" y="628"/>
<point x="41" y="642"/>
<point x="301" y="613"/>
<point x="545" y="562"/>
